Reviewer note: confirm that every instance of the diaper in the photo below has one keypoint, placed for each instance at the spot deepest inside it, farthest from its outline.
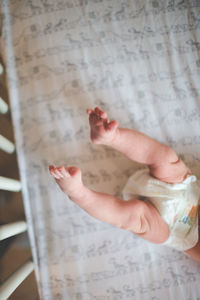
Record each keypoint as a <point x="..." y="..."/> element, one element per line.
<point x="177" y="204"/>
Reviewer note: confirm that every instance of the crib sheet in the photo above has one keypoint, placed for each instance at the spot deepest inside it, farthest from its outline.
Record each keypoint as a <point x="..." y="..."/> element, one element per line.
<point x="140" y="62"/>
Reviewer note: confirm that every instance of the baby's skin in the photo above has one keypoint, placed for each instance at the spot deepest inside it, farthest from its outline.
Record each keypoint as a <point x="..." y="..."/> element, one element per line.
<point x="141" y="218"/>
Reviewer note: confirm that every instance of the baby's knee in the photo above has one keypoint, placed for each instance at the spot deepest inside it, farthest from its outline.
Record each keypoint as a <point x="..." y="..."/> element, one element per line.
<point x="164" y="155"/>
<point x="172" y="169"/>
<point x="170" y="156"/>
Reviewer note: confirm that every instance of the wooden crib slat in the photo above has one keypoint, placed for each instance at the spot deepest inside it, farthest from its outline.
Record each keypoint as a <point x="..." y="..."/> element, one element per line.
<point x="12" y="229"/>
<point x="3" y="106"/>
<point x="6" y="145"/>
<point x="1" y="69"/>
<point x="8" y="287"/>
<point x="10" y="184"/>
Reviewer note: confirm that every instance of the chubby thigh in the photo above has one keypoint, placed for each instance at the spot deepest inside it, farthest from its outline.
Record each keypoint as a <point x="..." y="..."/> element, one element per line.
<point x="146" y="222"/>
<point x="170" y="172"/>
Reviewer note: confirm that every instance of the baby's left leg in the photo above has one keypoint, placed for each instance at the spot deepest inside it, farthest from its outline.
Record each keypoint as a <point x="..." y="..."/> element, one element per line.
<point x="162" y="160"/>
<point x="170" y="172"/>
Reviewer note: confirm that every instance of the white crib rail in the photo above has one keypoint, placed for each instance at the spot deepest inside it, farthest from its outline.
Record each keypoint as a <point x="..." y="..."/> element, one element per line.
<point x="12" y="229"/>
<point x="10" y="285"/>
<point x="9" y="230"/>
<point x="6" y="145"/>
<point x="1" y="69"/>
<point x="3" y="106"/>
<point x="8" y="184"/>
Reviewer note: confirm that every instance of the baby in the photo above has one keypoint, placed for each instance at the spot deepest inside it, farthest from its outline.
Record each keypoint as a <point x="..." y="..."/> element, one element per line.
<point x="168" y="211"/>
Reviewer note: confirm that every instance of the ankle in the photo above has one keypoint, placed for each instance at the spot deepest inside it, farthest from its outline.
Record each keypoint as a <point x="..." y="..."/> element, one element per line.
<point x="114" y="139"/>
<point x="79" y="195"/>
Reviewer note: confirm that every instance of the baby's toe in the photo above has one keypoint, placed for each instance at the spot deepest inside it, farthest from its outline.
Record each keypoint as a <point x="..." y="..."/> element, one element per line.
<point x="95" y="120"/>
<point x="112" y="125"/>
<point x="58" y="173"/>
<point x="100" y="113"/>
<point x="53" y="172"/>
<point x="89" y="111"/>
<point x="73" y="171"/>
<point x="64" y="172"/>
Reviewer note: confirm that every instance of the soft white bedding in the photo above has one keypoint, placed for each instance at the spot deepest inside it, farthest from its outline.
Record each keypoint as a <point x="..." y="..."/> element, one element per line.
<point x="139" y="61"/>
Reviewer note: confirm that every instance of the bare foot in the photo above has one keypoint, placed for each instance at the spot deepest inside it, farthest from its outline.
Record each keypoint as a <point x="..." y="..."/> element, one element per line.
<point x="102" y="131"/>
<point x="68" y="179"/>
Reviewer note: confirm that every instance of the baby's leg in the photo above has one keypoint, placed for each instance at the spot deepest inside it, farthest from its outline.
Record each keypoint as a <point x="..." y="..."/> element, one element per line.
<point x="194" y="253"/>
<point x="134" y="215"/>
<point x="162" y="160"/>
<point x="101" y="206"/>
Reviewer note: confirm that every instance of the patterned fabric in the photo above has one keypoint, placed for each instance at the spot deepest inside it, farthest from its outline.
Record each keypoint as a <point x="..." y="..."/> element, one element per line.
<point x="139" y="61"/>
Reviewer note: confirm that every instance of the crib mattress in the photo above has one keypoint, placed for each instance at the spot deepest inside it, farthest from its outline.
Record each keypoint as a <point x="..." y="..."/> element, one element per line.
<point x="140" y="62"/>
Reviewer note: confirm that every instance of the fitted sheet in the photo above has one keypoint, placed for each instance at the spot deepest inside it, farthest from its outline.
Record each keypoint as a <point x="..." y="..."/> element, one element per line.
<point x="140" y="62"/>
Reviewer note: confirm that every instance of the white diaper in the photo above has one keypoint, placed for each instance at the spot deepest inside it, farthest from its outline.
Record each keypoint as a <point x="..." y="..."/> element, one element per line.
<point x="177" y="204"/>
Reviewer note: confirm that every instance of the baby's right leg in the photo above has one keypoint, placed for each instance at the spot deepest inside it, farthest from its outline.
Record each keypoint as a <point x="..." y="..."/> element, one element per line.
<point x="105" y="207"/>
<point x="194" y="253"/>
<point x="137" y="216"/>
<point x="162" y="160"/>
